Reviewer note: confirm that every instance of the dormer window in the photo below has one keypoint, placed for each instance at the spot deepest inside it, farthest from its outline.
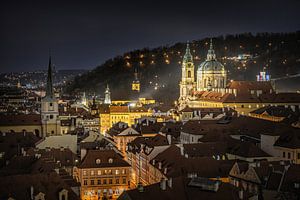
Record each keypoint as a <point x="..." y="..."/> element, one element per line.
<point x="110" y="160"/>
<point x="98" y="161"/>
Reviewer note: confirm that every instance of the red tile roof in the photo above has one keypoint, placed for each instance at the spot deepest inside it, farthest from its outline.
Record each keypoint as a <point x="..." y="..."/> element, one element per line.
<point x="30" y="119"/>
<point x="107" y="158"/>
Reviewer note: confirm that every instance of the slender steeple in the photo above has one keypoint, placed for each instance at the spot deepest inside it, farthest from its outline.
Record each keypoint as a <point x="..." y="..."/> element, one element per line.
<point x="135" y="72"/>
<point x="49" y="89"/>
<point x="135" y="86"/>
<point x="107" y="99"/>
<point x="188" y="56"/>
<point x="211" y="52"/>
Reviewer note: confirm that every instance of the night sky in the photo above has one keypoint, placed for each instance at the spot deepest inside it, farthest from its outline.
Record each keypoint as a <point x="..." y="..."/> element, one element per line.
<point x="83" y="34"/>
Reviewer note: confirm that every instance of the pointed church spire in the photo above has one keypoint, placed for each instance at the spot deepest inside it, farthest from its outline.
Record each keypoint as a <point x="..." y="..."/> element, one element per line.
<point x="107" y="99"/>
<point x="211" y="52"/>
<point x="49" y="89"/>
<point x="135" y="72"/>
<point x="211" y="44"/>
<point x="188" y="56"/>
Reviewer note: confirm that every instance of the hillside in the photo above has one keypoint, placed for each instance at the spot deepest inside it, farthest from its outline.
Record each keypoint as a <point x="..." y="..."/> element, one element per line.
<point x="279" y="53"/>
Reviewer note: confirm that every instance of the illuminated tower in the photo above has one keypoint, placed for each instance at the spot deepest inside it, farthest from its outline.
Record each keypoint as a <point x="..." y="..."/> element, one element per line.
<point x="187" y="82"/>
<point x="49" y="108"/>
<point x="84" y="100"/>
<point x="135" y="83"/>
<point x="107" y="99"/>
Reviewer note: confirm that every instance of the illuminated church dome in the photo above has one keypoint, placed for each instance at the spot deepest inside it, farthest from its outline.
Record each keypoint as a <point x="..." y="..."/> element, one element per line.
<point x="211" y="73"/>
<point x="211" y="63"/>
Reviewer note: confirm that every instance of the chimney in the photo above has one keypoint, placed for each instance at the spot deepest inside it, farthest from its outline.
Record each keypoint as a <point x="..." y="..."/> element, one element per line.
<point x="159" y="165"/>
<point x="31" y="192"/>
<point x="235" y="92"/>
<point x="140" y="187"/>
<point x="181" y="150"/>
<point x="163" y="184"/>
<point x="165" y="170"/>
<point x="169" y="138"/>
<point x="241" y="194"/>
<point x="293" y="108"/>
<point x="170" y="182"/>
<point x="23" y="152"/>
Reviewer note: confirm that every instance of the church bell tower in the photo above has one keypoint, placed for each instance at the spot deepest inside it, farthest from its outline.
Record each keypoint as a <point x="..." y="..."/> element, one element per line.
<point x="187" y="82"/>
<point x="135" y="86"/>
<point x="49" y="108"/>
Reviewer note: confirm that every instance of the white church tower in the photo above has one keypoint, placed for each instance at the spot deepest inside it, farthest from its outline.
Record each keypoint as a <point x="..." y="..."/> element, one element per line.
<point x="187" y="83"/>
<point x="49" y="108"/>
<point x="107" y="99"/>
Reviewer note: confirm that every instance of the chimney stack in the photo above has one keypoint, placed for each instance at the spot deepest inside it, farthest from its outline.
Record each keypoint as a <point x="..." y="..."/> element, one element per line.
<point x="169" y="138"/>
<point x="181" y="150"/>
<point x="163" y="184"/>
<point x="31" y="192"/>
<point x="241" y="194"/>
<point x="170" y="182"/>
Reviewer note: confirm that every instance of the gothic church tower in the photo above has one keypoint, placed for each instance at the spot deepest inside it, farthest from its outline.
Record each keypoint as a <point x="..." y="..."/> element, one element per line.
<point x="49" y="108"/>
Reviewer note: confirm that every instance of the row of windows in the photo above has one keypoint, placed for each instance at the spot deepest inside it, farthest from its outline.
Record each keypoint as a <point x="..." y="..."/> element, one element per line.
<point x="104" y="191"/>
<point x="119" y="117"/>
<point x="104" y="172"/>
<point x="288" y="156"/>
<point x="105" y="181"/>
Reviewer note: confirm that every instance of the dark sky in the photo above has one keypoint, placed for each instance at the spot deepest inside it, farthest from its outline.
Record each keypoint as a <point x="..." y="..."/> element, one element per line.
<point x="83" y="34"/>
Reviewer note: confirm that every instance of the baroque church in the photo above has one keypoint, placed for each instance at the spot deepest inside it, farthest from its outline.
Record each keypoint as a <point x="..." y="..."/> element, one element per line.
<point x="211" y="75"/>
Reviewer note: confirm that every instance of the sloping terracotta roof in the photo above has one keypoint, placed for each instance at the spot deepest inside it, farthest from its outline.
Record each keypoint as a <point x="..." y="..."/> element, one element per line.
<point x="18" y="186"/>
<point x="104" y="156"/>
<point x="248" y="150"/>
<point x="30" y="119"/>
<point x="174" y="164"/>
<point x="181" y="190"/>
<point x="104" y="109"/>
<point x="246" y="86"/>
<point x="119" y="109"/>
<point x="290" y="139"/>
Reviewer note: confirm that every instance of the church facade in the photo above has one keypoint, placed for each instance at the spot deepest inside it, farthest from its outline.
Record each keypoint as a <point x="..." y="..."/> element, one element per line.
<point x="210" y="75"/>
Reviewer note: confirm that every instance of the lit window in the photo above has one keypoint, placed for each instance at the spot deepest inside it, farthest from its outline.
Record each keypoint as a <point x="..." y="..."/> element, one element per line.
<point x="98" y="161"/>
<point x="117" y="172"/>
<point x="99" y="172"/>
<point x="84" y="172"/>
<point x="110" y="160"/>
<point x="92" y="173"/>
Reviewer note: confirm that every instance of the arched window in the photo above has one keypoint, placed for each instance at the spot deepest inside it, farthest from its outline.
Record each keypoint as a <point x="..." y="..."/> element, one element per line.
<point x="189" y="74"/>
